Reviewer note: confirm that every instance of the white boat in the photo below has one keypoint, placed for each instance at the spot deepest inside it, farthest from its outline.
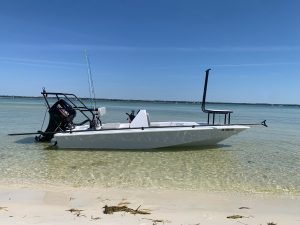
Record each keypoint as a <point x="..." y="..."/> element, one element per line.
<point x="145" y="134"/>
<point x="139" y="132"/>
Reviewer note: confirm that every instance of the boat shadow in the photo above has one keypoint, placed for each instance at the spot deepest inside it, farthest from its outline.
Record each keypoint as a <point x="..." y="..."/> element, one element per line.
<point x="47" y="146"/>
<point x="193" y="148"/>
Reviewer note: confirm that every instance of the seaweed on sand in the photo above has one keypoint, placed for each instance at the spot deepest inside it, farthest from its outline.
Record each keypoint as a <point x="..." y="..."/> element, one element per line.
<point x="95" y="218"/>
<point x="156" y="221"/>
<point x="3" y="208"/>
<point x="76" y="212"/>
<point x="123" y="208"/>
<point x="244" y="207"/>
<point x="235" y="217"/>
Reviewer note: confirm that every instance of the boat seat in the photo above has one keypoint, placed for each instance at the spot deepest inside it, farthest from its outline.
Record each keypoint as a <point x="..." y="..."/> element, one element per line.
<point x="140" y="120"/>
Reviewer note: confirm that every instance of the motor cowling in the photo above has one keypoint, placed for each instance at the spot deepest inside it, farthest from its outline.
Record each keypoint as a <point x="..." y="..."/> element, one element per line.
<point x="61" y="119"/>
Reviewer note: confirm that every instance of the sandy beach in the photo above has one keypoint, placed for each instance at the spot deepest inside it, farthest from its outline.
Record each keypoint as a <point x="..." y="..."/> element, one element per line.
<point x="67" y="205"/>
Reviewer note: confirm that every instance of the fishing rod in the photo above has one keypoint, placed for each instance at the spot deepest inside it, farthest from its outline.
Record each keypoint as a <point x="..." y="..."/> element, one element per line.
<point x="91" y="83"/>
<point x="263" y="123"/>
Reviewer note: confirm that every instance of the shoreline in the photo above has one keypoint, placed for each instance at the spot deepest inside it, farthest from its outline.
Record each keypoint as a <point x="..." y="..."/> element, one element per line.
<point x="159" y="101"/>
<point x="62" y="205"/>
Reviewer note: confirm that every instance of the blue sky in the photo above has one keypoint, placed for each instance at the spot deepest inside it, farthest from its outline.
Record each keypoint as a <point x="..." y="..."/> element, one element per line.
<point x="153" y="49"/>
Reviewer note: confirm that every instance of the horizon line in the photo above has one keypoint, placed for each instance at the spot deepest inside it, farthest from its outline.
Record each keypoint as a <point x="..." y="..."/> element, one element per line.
<point x="161" y="101"/>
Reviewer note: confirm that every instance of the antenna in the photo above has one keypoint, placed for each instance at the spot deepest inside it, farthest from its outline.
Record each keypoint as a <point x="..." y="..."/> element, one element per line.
<point x="91" y="83"/>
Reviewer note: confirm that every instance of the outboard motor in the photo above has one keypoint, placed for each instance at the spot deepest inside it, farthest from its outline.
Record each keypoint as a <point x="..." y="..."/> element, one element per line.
<point x="61" y="119"/>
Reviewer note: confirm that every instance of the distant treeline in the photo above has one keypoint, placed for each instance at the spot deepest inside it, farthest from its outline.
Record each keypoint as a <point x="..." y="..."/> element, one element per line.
<point x="155" y="101"/>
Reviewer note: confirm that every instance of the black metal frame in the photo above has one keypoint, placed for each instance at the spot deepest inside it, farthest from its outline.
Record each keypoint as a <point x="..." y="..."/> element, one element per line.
<point x="83" y="109"/>
<point x="226" y="113"/>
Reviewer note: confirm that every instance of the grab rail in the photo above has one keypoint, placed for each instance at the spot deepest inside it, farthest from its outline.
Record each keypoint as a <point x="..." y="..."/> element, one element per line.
<point x="226" y="113"/>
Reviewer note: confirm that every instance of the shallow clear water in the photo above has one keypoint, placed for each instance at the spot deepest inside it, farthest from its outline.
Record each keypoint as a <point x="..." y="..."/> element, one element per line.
<point x="257" y="160"/>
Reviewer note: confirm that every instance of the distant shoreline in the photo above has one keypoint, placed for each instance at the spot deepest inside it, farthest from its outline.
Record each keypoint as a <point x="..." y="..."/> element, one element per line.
<point x="157" y="101"/>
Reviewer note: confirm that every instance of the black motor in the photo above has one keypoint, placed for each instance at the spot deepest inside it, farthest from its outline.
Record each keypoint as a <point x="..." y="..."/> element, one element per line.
<point x="61" y="119"/>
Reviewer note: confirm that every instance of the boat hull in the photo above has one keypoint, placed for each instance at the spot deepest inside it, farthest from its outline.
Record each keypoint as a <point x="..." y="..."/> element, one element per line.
<point x="147" y="138"/>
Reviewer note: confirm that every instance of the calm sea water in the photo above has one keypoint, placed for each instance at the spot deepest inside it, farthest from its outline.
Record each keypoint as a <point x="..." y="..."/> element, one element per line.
<point x="257" y="160"/>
